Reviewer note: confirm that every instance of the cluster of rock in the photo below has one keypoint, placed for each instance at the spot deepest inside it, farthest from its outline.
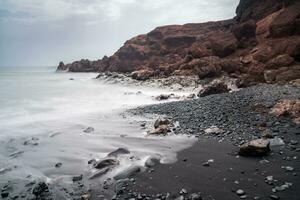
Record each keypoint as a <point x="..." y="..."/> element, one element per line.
<point x="261" y="44"/>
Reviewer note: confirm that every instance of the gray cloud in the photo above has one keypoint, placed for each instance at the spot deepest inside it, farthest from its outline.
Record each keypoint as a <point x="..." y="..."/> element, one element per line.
<point x="35" y="32"/>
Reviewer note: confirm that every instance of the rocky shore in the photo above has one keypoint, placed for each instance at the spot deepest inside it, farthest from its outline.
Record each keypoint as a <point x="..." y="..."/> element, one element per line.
<point x="244" y="106"/>
<point x="261" y="44"/>
<point x="213" y="168"/>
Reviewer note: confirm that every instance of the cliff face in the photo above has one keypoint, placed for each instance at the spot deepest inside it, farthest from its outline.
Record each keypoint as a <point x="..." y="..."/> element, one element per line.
<point x="261" y="44"/>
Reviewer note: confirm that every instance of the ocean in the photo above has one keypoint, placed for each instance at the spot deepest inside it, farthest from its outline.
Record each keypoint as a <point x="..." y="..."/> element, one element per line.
<point x="44" y="114"/>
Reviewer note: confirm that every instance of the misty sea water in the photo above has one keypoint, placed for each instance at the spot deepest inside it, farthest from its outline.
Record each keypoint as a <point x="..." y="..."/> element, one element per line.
<point x="44" y="114"/>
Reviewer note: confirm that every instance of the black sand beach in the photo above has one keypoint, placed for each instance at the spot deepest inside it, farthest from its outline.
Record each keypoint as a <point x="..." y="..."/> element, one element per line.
<point x="212" y="168"/>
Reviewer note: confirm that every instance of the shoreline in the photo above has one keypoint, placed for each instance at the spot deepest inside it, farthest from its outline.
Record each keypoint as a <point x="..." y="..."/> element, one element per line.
<point x="239" y="114"/>
<point x="191" y="174"/>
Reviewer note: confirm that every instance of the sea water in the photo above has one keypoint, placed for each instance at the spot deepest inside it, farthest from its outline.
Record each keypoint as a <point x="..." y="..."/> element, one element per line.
<point x="44" y="114"/>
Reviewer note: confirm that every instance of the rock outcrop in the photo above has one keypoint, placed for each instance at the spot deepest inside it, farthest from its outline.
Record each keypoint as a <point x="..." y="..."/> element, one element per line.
<point x="260" y="44"/>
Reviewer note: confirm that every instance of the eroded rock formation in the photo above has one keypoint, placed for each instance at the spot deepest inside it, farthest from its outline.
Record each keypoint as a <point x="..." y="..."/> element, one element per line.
<point x="260" y="44"/>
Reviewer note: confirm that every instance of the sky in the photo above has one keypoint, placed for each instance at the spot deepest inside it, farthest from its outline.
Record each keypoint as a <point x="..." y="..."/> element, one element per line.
<point x="44" y="32"/>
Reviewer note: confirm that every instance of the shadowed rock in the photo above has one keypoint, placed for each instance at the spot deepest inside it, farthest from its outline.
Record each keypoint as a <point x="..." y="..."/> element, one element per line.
<point x="258" y="147"/>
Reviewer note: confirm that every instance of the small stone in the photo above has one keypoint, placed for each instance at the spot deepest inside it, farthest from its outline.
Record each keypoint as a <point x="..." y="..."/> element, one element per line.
<point x="288" y="168"/>
<point x="89" y="130"/>
<point x="294" y="142"/>
<point x="206" y="164"/>
<point x="57" y="165"/>
<point x="274" y="197"/>
<point x="4" y="194"/>
<point x="77" y="178"/>
<point x="240" y="192"/>
<point x="243" y="197"/>
<point x="183" y="191"/>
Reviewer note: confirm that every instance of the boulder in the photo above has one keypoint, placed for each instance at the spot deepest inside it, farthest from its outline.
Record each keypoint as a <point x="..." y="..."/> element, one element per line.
<point x="270" y="75"/>
<point x="163" y="97"/>
<point x="214" y="88"/>
<point x="61" y="66"/>
<point x="106" y="163"/>
<point x="258" y="147"/>
<point x="223" y="47"/>
<point x="280" y="61"/>
<point x="245" y="30"/>
<point x="230" y="65"/>
<point x="161" y="130"/>
<point x="161" y="121"/>
<point x="39" y="189"/>
<point x="77" y="178"/>
<point x="152" y="161"/>
<point x="206" y="66"/>
<point x="118" y="152"/>
<point x="288" y="75"/>
<point x="142" y="75"/>
<point x="287" y="22"/>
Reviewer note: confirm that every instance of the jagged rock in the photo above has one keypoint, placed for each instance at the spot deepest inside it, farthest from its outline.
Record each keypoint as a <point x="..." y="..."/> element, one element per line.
<point x="161" y="121"/>
<point x="62" y="66"/>
<point x="163" y="97"/>
<point x="40" y="189"/>
<point x="258" y="147"/>
<point x="105" y="163"/>
<point x="280" y="61"/>
<point x="214" y="88"/>
<point x="77" y="178"/>
<point x="288" y="75"/>
<point x="118" y="152"/>
<point x="264" y="33"/>
<point x="142" y="75"/>
<point x="161" y="130"/>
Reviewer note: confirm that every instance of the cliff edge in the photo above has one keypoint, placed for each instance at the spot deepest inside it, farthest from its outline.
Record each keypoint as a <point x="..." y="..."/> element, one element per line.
<point x="260" y="44"/>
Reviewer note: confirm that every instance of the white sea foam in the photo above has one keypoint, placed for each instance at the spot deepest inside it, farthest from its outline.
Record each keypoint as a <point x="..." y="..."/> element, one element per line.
<point x="39" y="103"/>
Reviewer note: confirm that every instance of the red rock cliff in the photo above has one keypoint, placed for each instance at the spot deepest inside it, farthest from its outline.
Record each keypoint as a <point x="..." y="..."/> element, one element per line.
<point x="261" y="44"/>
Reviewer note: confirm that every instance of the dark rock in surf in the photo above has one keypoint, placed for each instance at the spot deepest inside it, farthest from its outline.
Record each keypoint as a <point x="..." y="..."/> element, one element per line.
<point x="105" y="163"/>
<point x="89" y="130"/>
<point x="118" y="152"/>
<point x="214" y="88"/>
<point x="40" y="189"/>
<point x="77" y="178"/>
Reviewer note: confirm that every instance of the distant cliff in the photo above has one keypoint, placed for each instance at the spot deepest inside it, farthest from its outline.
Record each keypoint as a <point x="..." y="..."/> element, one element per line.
<point x="260" y="44"/>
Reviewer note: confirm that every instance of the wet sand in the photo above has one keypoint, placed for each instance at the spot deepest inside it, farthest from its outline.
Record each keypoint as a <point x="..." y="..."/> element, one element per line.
<point x="223" y="177"/>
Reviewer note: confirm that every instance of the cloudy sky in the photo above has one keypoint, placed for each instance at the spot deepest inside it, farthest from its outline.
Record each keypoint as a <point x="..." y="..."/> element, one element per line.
<point x="43" y="32"/>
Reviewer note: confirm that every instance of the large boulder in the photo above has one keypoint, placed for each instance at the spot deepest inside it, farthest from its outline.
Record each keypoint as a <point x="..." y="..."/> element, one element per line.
<point x="287" y="22"/>
<point x="258" y="147"/>
<point x="206" y="66"/>
<point x="286" y="75"/>
<point x="245" y="30"/>
<point x="214" y="88"/>
<point x="142" y="75"/>
<point x="280" y="61"/>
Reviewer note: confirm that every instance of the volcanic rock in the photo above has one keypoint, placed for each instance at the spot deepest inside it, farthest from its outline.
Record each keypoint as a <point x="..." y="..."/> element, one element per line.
<point x="214" y="88"/>
<point x="258" y="147"/>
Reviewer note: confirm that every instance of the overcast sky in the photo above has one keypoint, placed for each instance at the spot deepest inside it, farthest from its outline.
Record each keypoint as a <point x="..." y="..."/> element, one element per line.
<point x="43" y="32"/>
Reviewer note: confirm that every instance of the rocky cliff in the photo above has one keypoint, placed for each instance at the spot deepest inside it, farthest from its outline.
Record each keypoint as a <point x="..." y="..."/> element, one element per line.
<point x="260" y="44"/>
